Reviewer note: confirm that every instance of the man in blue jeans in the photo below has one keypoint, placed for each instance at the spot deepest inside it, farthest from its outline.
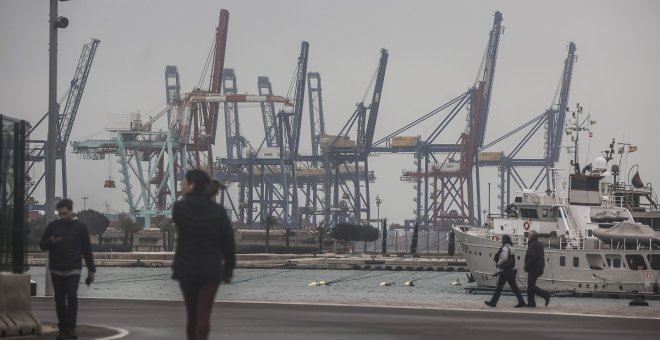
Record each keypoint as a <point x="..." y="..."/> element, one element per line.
<point x="67" y="240"/>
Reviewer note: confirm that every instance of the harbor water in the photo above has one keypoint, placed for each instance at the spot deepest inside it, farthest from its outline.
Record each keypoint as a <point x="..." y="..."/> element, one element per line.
<point x="356" y="287"/>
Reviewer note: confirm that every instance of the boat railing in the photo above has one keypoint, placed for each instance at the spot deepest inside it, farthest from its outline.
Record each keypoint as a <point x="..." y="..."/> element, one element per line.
<point x="624" y="245"/>
<point x="621" y="196"/>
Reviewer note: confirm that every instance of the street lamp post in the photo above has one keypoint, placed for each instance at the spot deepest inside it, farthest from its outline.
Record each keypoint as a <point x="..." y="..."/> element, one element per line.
<point x="53" y="117"/>
<point x="85" y="198"/>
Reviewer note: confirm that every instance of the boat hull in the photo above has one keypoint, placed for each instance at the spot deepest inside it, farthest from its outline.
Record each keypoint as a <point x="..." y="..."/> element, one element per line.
<point x="573" y="273"/>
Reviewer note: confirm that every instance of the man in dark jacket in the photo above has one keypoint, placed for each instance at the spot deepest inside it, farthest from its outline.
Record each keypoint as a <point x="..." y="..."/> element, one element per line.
<point x="534" y="265"/>
<point x="66" y="240"/>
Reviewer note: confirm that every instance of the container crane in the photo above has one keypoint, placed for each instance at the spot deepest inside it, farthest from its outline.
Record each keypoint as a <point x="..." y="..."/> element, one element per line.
<point x="445" y="172"/>
<point x="346" y="162"/>
<point x="66" y="119"/>
<point x="553" y="119"/>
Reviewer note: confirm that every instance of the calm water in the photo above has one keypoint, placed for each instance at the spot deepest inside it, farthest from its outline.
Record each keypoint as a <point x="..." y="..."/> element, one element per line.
<point x="286" y="285"/>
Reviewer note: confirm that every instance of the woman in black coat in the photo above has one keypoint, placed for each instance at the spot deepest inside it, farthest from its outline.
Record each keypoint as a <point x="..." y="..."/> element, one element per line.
<point x="205" y="253"/>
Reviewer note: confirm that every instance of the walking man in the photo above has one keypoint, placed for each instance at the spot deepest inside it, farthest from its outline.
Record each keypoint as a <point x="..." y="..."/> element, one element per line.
<point x="505" y="261"/>
<point x="67" y="240"/>
<point x="534" y="265"/>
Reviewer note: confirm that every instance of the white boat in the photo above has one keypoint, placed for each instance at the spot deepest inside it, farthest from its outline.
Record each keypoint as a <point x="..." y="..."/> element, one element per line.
<point x="592" y="244"/>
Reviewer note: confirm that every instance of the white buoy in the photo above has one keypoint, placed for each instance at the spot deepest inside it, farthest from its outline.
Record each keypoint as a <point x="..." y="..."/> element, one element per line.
<point x="409" y="284"/>
<point x="383" y="284"/>
<point x="457" y="283"/>
<point x="321" y="283"/>
<point x="312" y="284"/>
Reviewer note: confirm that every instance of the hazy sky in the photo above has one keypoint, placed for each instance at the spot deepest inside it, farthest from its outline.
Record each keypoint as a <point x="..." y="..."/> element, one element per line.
<point x="435" y="50"/>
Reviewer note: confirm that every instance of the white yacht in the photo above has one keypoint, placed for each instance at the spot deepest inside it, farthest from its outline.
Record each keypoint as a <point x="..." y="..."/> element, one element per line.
<point x="592" y="244"/>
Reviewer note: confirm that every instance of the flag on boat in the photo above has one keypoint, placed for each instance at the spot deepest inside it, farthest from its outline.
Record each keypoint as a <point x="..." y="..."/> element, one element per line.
<point x="637" y="181"/>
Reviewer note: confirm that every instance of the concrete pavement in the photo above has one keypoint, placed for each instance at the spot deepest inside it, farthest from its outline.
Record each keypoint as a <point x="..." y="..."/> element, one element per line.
<point x="236" y="320"/>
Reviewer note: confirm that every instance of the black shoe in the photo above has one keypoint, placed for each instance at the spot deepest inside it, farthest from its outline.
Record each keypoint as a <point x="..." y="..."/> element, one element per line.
<point x="489" y="303"/>
<point x="71" y="334"/>
<point x="61" y="335"/>
<point x="547" y="301"/>
<point x="531" y="306"/>
<point x="522" y="304"/>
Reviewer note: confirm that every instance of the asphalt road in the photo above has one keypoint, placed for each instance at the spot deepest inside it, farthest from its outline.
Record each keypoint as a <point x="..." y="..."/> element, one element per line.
<point x="166" y="320"/>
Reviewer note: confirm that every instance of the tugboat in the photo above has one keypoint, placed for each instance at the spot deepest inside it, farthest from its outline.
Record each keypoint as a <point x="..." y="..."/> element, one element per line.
<point x="593" y="244"/>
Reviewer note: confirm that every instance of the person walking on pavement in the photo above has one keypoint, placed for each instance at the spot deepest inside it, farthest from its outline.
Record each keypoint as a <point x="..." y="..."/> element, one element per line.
<point x="505" y="260"/>
<point x="534" y="265"/>
<point x="66" y="240"/>
<point x="205" y="254"/>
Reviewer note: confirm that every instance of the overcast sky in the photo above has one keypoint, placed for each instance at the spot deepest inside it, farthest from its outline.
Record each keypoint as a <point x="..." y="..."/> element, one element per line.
<point x="435" y="50"/>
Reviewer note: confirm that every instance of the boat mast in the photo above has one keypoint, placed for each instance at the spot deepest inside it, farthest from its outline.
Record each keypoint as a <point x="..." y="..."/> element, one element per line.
<point x="579" y="126"/>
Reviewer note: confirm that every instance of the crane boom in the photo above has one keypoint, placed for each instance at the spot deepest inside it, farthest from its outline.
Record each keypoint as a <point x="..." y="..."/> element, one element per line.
<point x="316" y="119"/>
<point x="489" y="75"/>
<point x="268" y="113"/>
<point x="68" y="115"/>
<point x="375" y="102"/>
<point x="218" y="66"/>
<point x="557" y="131"/>
<point x="299" y="98"/>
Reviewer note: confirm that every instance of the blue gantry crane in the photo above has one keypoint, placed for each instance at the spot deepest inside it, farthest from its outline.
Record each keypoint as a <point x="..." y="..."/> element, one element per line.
<point x="345" y="162"/>
<point x="267" y="177"/>
<point x="444" y="178"/>
<point x="553" y="119"/>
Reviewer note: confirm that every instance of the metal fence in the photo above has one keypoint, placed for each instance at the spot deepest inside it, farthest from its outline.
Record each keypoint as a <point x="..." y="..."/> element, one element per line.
<point x="399" y="241"/>
<point x="13" y="233"/>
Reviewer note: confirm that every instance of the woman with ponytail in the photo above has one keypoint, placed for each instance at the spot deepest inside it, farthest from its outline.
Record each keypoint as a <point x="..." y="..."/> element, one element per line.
<point x="205" y="253"/>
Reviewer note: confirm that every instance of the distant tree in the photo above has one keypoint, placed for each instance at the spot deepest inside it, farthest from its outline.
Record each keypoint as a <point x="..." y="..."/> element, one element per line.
<point x="96" y="222"/>
<point x="288" y="233"/>
<point x="320" y="231"/>
<point x="167" y="229"/>
<point x="129" y="227"/>
<point x="346" y="232"/>
<point x="368" y="233"/>
<point x="269" y="222"/>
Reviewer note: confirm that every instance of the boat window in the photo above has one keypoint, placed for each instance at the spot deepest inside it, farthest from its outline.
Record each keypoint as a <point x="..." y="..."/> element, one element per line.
<point x="562" y="261"/>
<point x="636" y="262"/>
<point x="595" y="261"/>
<point x="590" y="233"/>
<point x="654" y="260"/>
<point x="576" y="262"/>
<point x="529" y="213"/>
<point x="613" y="261"/>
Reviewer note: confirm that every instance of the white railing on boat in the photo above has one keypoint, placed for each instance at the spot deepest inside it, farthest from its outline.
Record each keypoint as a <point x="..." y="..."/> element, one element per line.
<point x="580" y="243"/>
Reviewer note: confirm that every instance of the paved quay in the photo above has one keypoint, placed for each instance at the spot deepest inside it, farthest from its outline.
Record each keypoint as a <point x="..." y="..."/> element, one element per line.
<point x="155" y="319"/>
